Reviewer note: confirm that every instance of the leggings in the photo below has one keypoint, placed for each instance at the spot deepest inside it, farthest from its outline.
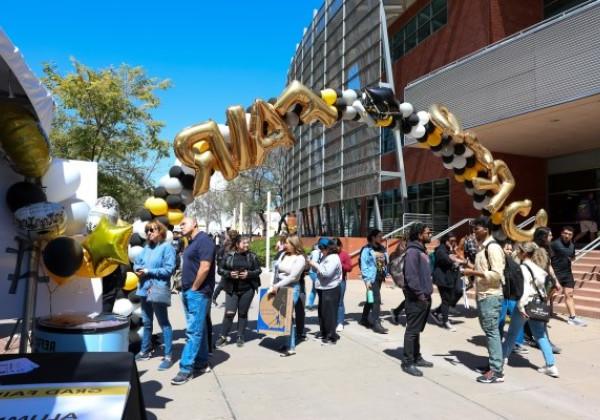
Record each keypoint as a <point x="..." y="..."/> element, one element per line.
<point x="237" y="302"/>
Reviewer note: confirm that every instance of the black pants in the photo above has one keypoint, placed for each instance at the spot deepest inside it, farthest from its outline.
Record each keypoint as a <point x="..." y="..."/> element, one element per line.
<point x="399" y="308"/>
<point x="447" y="295"/>
<point x="329" y="301"/>
<point x="237" y="302"/>
<point x="371" y="311"/>
<point x="218" y="290"/>
<point x="416" y="318"/>
<point x="299" y="316"/>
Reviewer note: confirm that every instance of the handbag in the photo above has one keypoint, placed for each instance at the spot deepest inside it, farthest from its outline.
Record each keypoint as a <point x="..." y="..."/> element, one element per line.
<point x="159" y="292"/>
<point x="537" y="309"/>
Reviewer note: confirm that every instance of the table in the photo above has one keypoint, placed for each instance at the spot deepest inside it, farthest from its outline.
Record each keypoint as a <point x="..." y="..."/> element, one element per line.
<point x="84" y="367"/>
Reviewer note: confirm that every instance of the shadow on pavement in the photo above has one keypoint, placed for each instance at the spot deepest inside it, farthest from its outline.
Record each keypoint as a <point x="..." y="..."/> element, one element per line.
<point x="470" y="360"/>
<point x="478" y="340"/>
<point x="150" y="391"/>
<point x="397" y="353"/>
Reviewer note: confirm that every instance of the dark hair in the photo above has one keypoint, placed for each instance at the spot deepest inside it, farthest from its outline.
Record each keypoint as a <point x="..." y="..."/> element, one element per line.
<point x="338" y="242"/>
<point x="235" y="241"/>
<point x="482" y="221"/>
<point x="416" y="230"/>
<point x="447" y="237"/>
<point x="540" y="237"/>
<point x="372" y="234"/>
<point x="332" y="248"/>
<point x="569" y="228"/>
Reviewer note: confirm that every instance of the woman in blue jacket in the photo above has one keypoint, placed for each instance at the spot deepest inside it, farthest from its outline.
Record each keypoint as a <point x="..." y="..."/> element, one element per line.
<point x="154" y="266"/>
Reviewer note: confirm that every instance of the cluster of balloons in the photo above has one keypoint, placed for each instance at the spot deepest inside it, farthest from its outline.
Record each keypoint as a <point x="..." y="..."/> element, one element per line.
<point x="131" y="306"/>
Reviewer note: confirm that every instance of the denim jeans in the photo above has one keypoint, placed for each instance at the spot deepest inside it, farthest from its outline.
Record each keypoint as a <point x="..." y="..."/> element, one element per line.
<point x="509" y="307"/>
<point x="538" y="329"/>
<point x="148" y="311"/>
<point x="296" y="298"/>
<point x="195" y="306"/>
<point x="489" y="314"/>
<point x="313" y="291"/>
<point x="341" y="312"/>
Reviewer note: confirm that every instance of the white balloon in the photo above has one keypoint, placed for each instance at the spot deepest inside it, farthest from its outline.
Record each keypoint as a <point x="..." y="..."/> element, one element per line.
<point x="173" y="186"/>
<point x="469" y="191"/>
<point x="122" y="307"/>
<point x="406" y="109"/>
<point x="447" y="150"/>
<point x="423" y="117"/>
<point x="164" y="180"/>
<point x="77" y="212"/>
<point x="187" y="197"/>
<point x="349" y="96"/>
<point x="41" y="220"/>
<point x="459" y="162"/>
<point x="417" y="131"/>
<point x="447" y="165"/>
<point x="134" y="252"/>
<point x="92" y="221"/>
<point x="478" y="205"/>
<point x="349" y="113"/>
<point x="292" y="119"/>
<point x="224" y="129"/>
<point x="468" y="152"/>
<point x="486" y="201"/>
<point x="139" y="227"/>
<point x="169" y="237"/>
<point x="61" y="180"/>
<point x="135" y="336"/>
<point x="137" y="311"/>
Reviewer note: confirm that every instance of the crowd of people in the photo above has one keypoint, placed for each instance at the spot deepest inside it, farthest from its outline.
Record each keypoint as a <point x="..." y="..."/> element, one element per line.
<point x="510" y="280"/>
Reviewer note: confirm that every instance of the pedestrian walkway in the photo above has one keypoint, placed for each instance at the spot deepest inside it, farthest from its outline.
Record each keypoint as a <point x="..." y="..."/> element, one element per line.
<point x="360" y="377"/>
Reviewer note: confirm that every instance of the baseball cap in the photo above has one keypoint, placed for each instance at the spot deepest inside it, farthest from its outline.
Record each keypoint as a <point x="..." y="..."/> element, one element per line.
<point x="324" y="242"/>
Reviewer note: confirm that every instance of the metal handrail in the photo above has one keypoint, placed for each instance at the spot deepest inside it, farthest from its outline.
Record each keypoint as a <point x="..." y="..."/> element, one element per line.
<point x="387" y="235"/>
<point x="589" y="247"/>
<point x="451" y="228"/>
<point x="526" y="222"/>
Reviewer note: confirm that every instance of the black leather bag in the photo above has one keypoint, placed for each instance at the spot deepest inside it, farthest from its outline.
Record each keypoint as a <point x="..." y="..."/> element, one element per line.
<point x="538" y="309"/>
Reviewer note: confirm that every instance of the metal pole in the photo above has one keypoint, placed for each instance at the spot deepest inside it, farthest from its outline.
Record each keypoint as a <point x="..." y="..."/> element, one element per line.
<point x="268" y="243"/>
<point x="30" y="297"/>
<point x="241" y="218"/>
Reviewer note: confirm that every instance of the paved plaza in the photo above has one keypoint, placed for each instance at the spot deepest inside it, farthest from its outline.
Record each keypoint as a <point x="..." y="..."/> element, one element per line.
<point x="360" y="377"/>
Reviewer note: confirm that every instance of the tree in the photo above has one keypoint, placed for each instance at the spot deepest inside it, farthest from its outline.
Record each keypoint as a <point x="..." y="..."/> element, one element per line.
<point x="105" y="116"/>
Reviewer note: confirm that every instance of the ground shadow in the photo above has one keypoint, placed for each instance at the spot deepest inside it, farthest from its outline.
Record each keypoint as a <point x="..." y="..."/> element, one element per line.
<point x="478" y="340"/>
<point x="397" y="353"/>
<point x="150" y="391"/>
<point x="470" y="360"/>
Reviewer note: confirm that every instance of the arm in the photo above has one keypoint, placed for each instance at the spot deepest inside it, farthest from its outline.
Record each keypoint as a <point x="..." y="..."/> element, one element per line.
<point x="367" y="270"/>
<point x="412" y="273"/>
<point x="207" y="256"/>
<point x="294" y="275"/>
<point x="496" y="262"/>
<point x="168" y="264"/>
<point x="140" y="261"/>
<point x="327" y="267"/>
<point x="255" y="270"/>
<point x="201" y="275"/>
<point x="442" y="258"/>
<point x="222" y="268"/>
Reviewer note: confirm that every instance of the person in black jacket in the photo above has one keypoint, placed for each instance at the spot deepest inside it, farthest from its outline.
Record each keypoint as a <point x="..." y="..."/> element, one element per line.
<point x="240" y="273"/>
<point x="446" y="276"/>
<point x="417" y="291"/>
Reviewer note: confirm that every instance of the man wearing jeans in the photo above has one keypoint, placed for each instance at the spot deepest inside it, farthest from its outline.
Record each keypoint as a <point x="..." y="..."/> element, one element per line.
<point x="197" y="283"/>
<point x="489" y="278"/>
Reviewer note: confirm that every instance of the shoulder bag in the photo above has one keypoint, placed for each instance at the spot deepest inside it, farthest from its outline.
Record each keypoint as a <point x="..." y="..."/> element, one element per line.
<point x="538" y="309"/>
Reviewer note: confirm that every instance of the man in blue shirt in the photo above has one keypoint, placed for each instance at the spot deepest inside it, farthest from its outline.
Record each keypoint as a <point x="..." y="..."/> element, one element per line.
<point x="197" y="284"/>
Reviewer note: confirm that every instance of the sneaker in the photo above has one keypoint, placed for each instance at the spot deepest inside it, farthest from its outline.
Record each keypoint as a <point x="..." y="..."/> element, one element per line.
<point x="288" y="353"/>
<point x="165" y="364"/>
<point x="214" y="302"/>
<point x="576" y="321"/>
<point x="520" y="349"/>
<point x="491" y="377"/>
<point x="506" y="361"/>
<point x="340" y="328"/>
<point x="483" y="369"/>
<point x="379" y="329"/>
<point x="449" y="326"/>
<point x="411" y="369"/>
<point x="365" y="323"/>
<point x="221" y="341"/>
<point x="200" y="369"/>
<point x="143" y="356"/>
<point x="423" y="363"/>
<point x="240" y="342"/>
<point x="437" y="318"/>
<point x="549" y="370"/>
<point x="181" y="378"/>
<point x="395" y="318"/>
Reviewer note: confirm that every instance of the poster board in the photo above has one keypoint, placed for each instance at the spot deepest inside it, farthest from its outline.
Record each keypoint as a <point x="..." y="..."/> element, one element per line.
<point x="275" y="312"/>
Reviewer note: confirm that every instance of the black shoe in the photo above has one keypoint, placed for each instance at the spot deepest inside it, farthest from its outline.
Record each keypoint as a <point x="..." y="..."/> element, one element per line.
<point x="423" y="363"/>
<point x="365" y="323"/>
<point x="437" y="318"/>
<point x="318" y="335"/>
<point x="300" y="338"/>
<point x="181" y="378"/>
<point x="395" y="318"/>
<point x="378" y="328"/>
<point x="411" y="369"/>
<point x="221" y="341"/>
<point x="240" y="342"/>
<point x="491" y="377"/>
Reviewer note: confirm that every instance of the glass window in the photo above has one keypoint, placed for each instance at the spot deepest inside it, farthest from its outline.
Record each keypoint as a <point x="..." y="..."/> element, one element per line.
<point x="554" y="7"/>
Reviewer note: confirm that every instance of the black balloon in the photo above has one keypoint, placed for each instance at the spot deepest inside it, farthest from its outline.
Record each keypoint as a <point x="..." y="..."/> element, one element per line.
<point x="23" y="194"/>
<point x="446" y="139"/>
<point x="486" y="213"/>
<point x="181" y="207"/>
<point x="405" y="127"/>
<point x="136" y="240"/>
<point x="496" y="227"/>
<point x="459" y="171"/>
<point x="459" y="149"/>
<point x="144" y="215"/>
<point x="63" y="256"/>
<point x="429" y="127"/>
<point x="176" y="172"/>
<point x="173" y="201"/>
<point x="163" y="219"/>
<point x="413" y="119"/>
<point x="160" y="192"/>
<point x="134" y="298"/>
<point x="471" y="161"/>
<point x="478" y="198"/>
<point x="436" y="148"/>
<point x="482" y="174"/>
<point x="448" y="159"/>
<point x="490" y="193"/>
<point x="468" y="184"/>
<point x="188" y="182"/>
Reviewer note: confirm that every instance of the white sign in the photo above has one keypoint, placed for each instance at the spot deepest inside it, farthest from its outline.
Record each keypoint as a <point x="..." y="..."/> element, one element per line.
<point x="75" y="400"/>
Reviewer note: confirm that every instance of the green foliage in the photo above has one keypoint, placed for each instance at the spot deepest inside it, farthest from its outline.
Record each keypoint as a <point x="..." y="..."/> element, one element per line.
<point x="105" y="116"/>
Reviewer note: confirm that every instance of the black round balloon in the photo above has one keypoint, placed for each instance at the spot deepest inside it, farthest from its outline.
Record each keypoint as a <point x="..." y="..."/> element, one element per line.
<point x="489" y="193"/>
<point x="446" y="139"/>
<point x="160" y="192"/>
<point x="181" y="207"/>
<point x="459" y="171"/>
<point x="478" y="198"/>
<point x="459" y="149"/>
<point x="436" y="148"/>
<point x="63" y="256"/>
<point x="413" y="119"/>
<point x="496" y="227"/>
<point x="170" y="227"/>
<point x="144" y="215"/>
<point x="136" y="240"/>
<point x="23" y="194"/>
<point x="135" y="323"/>
<point x="471" y="161"/>
<point x="405" y="127"/>
<point x="422" y="139"/>
<point x="448" y="159"/>
<point x="468" y="184"/>
<point x="163" y="219"/>
<point x="482" y="174"/>
<point x="486" y="212"/>
<point x="173" y="201"/>
<point x="134" y="298"/>
<point x="429" y="127"/>
<point x="340" y="111"/>
<point x="176" y="172"/>
<point x="187" y="181"/>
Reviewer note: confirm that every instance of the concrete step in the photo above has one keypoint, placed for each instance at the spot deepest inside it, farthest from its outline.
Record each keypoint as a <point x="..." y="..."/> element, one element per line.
<point x="586" y="268"/>
<point x="585" y="291"/>
<point x="588" y="260"/>
<point x="584" y="275"/>
<point x="581" y="310"/>
<point x="582" y="299"/>
<point x="587" y="284"/>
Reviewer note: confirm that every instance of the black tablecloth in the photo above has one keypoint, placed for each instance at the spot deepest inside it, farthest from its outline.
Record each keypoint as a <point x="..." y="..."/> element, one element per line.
<point x="84" y="367"/>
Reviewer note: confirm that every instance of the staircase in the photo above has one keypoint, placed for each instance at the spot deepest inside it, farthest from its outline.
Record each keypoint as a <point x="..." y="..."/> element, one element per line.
<point x="586" y="272"/>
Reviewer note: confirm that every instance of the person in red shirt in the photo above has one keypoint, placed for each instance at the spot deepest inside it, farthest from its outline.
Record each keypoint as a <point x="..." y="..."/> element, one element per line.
<point x="346" y="268"/>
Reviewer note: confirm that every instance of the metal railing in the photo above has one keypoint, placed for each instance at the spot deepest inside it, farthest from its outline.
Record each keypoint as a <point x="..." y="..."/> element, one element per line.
<point x="387" y="235"/>
<point x="451" y="228"/>
<point x="526" y="222"/>
<point x="589" y="247"/>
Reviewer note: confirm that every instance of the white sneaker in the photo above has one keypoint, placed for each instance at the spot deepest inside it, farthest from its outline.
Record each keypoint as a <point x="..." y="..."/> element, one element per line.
<point x="578" y="322"/>
<point x="449" y="326"/>
<point x="549" y="370"/>
<point x="506" y="361"/>
<point x="340" y="328"/>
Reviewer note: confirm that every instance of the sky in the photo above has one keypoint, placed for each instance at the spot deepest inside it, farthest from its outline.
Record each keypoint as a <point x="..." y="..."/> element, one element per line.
<point x="216" y="53"/>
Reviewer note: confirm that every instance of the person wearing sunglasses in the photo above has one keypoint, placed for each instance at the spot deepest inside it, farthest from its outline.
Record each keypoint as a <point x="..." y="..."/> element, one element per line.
<point x="155" y="266"/>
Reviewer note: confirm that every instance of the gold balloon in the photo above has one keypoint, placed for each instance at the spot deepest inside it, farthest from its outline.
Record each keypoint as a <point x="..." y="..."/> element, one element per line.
<point x="385" y="123"/>
<point x="157" y="206"/>
<point x="329" y="96"/>
<point x="87" y="268"/>
<point x="501" y="183"/>
<point x="107" y="245"/>
<point x="523" y="208"/>
<point x="175" y="216"/>
<point x="459" y="178"/>
<point x="313" y="107"/>
<point x="268" y="129"/>
<point x="445" y="120"/>
<point x="131" y="281"/>
<point x="435" y="138"/>
<point x="482" y="154"/>
<point x="23" y="141"/>
<point x="497" y="217"/>
<point x="243" y="147"/>
<point x="470" y="173"/>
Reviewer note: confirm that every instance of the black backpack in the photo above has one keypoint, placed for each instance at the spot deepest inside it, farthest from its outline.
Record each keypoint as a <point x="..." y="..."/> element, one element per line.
<point x="513" y="276"/>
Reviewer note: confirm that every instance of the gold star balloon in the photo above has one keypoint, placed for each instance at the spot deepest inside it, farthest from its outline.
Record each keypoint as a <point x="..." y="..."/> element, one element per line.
<point x="107" y="245"/>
